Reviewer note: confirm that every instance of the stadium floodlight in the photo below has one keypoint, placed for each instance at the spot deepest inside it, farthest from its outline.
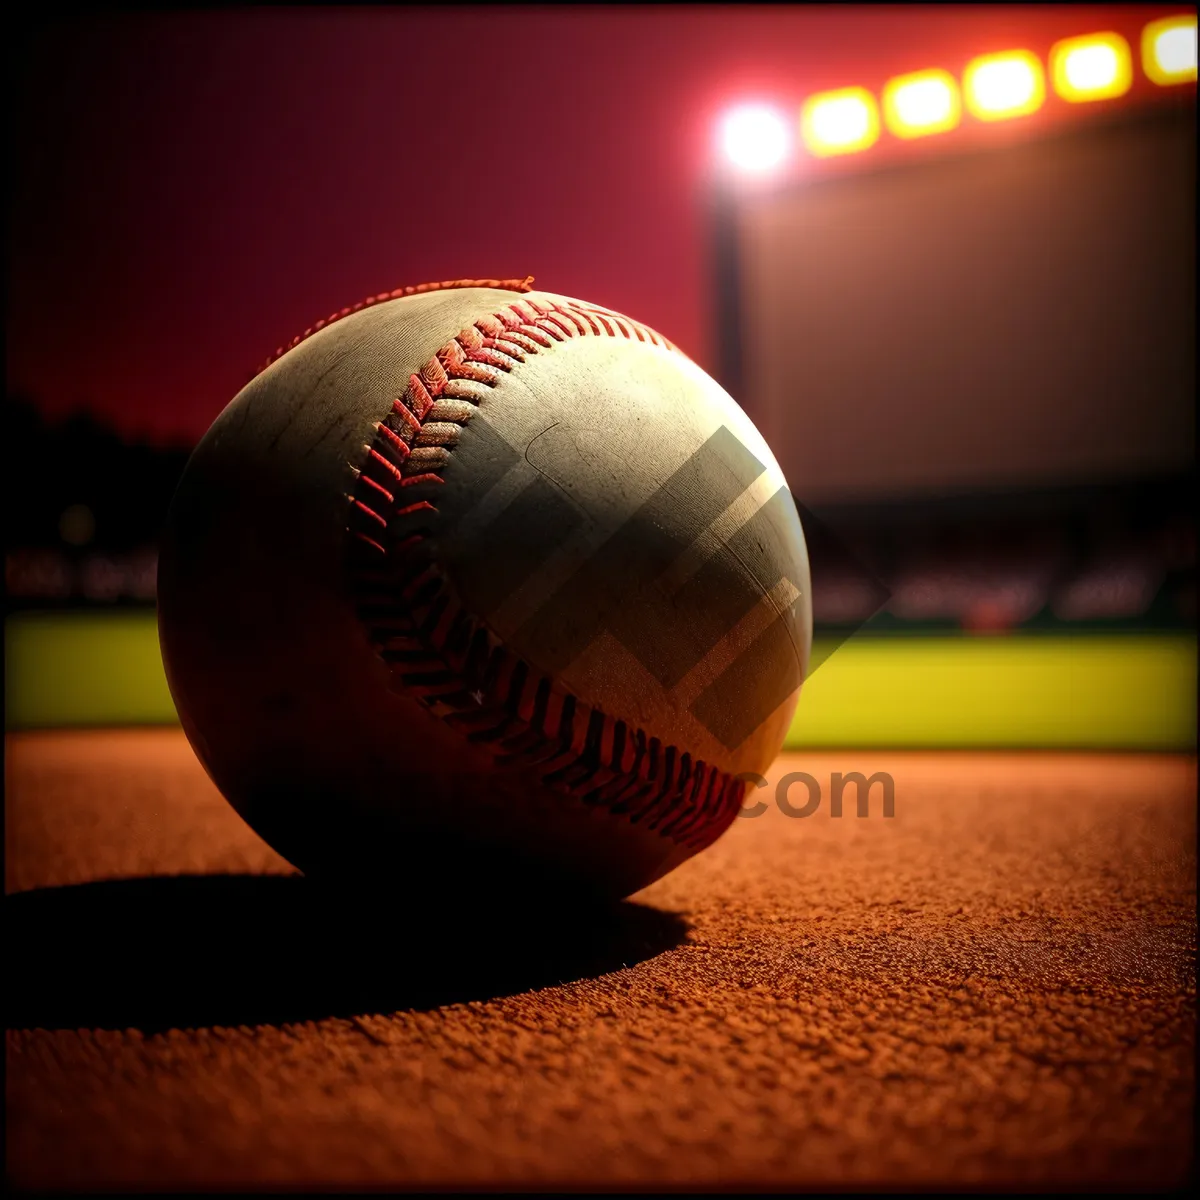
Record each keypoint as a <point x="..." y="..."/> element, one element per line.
<point x="1000" y="86"/>
<point x="1169" y="49"/>
<point x="1096" y="67"/>
<point x="840" y="122"/>
<point x="922" y="103"/>
<point x="755" y="139"/>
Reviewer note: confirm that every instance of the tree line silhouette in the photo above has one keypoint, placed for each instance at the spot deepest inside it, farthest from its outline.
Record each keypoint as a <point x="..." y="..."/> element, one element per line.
<point x="84" y="509"/>
<point x="51" y="467"/>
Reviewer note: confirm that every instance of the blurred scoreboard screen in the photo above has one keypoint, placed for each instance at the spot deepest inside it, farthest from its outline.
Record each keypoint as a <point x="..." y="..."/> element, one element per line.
<point x="1018" y="316"/>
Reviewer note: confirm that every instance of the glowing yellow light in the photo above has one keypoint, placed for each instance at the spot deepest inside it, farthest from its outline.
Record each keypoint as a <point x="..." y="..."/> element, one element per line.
<point x="1096" y="67"/>
<point x="1169" y="49"/>
<point x="755" y="139"/>
<point x="1000" y="86"/>
<point x="839" y="122"/>
<point x="919" y="104"/>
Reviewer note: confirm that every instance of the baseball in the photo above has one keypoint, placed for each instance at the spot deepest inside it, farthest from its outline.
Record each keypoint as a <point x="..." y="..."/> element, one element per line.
<point x="485" y="581"/>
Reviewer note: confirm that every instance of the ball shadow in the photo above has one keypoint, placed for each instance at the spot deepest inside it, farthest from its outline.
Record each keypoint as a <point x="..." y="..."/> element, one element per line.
<point x="189" y="951"/>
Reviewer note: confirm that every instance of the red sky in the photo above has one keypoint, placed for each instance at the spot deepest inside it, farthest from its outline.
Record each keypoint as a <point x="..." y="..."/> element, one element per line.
<point x="191" y="190"/>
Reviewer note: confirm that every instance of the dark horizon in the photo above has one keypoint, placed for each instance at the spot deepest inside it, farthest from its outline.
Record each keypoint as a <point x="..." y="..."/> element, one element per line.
<point x="1110" y="555"/>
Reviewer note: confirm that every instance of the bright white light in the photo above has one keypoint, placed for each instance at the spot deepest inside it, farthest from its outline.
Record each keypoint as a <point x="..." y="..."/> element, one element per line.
<point x="841" y="122"/>
<point x="755" y="138"/>
<point x="1169" y="49"/>
<point x="922" y="103"/>
<point x="925" y="102"/>
<point x="1175" y="49"/>
<point x="1090" y="68"/>
<point x="1002" y="86"/>
<point x="1097" y="66"/>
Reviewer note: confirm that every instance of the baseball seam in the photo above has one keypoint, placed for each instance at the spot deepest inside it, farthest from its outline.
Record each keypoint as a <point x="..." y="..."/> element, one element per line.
<point x="444" y="656"/>
<point x="511" y="285"/>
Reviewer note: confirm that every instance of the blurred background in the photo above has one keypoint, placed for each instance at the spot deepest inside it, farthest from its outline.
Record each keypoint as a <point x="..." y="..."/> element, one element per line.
<point x="944" y="257"/>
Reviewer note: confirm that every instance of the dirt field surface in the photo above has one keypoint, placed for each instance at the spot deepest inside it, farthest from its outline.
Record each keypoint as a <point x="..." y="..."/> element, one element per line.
<point x="994" y="986"/>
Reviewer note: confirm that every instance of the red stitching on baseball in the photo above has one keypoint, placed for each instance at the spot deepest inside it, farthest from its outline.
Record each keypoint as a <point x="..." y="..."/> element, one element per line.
<point x="362" y="537"/>
<point x="412" y="508"/>
<point x="392" y="442"/>
<point x="370" y="512"/>
<point x="391" y="468"/>
<point x="444" y="655"/>
<point x="365" y="478"/>
<point x="509" y="285"/>
<point x="410" y="420"/>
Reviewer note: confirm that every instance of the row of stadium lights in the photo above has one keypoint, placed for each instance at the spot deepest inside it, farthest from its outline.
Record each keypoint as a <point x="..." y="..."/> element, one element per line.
<point x="995" y="87"/>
